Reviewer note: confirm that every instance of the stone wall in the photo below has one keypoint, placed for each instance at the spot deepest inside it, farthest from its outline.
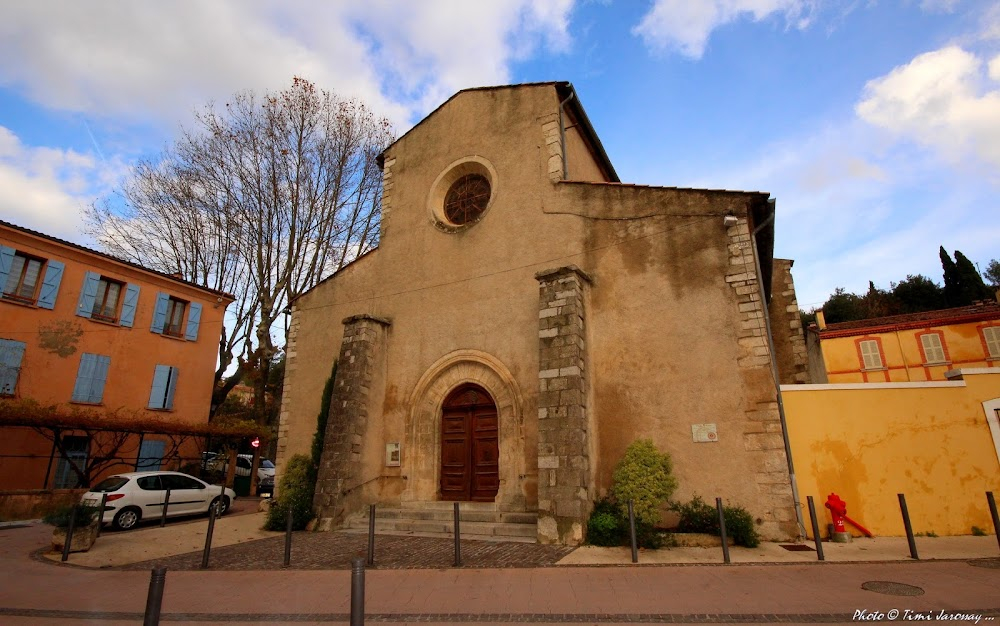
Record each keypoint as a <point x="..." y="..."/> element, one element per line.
<point x="339" y="472"/>
<point x="786" y="326"/>
<point x="564" y="469"/>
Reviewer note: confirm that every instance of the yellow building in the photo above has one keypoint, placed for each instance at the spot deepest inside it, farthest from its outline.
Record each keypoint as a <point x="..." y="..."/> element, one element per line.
<point x="936" y="442"/>
<point x="907" y="348"/>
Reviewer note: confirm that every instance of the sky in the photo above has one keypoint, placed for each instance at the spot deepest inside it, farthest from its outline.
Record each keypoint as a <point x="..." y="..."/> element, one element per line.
<point x="875" y="125"/>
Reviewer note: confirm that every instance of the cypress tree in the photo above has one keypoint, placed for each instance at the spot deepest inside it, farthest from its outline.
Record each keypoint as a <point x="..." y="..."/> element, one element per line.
<point x="972" y="286"/>
<point x="952" y="280"/>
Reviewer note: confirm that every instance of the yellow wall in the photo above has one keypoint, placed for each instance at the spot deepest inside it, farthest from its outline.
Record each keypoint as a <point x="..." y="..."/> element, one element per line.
<point x="867" y="443"/>
<point x="902" y="355"/>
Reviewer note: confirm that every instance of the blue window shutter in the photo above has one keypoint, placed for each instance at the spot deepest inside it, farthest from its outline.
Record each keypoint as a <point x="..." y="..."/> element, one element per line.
<point x="50" y="284"/>
<point x="81" y="391"/>
<point x="88" y="294"/>
<point x="11" y="354"/>
<point x="160" y="312"/>
<point x="158" y="394"/>
<point x="150" y="456"/>
<point x="171" y="387"/>
<point x="6" y="259"/>
<point x="100" y="377"/>
<point x="194" y="321"/>
<point x="129" y="305"/>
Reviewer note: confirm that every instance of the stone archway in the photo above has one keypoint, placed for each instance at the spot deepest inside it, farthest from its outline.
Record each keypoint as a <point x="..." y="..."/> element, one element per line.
<point x="422" y="451"/>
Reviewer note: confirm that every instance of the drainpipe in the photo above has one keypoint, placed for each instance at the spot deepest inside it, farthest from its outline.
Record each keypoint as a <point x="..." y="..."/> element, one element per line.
<point x="774" y="373"/>
<point x="562" y="131"/>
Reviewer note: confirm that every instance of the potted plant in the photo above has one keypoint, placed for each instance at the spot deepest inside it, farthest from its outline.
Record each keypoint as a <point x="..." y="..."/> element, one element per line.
<point x="85" y="527"/>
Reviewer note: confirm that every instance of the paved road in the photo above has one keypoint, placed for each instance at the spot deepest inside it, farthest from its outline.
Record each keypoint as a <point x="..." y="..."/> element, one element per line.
<point x="36" y="591"/>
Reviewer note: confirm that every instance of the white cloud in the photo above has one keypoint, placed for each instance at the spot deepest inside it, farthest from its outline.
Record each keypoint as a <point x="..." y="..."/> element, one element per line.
<point x="162" y="59"/>
<point x="46" y="188"/>
<point x="938" y="6"/>
<point x="686" y="25"/>
<point x="939" y="100"/>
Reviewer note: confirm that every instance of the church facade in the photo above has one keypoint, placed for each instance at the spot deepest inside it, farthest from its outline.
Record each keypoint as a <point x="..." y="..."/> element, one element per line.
<point x="527" y="316"/>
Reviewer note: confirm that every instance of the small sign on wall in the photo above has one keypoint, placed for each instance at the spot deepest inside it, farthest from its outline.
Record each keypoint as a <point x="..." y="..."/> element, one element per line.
<point x="704" y="433"/>
<point x="392" y="454"/>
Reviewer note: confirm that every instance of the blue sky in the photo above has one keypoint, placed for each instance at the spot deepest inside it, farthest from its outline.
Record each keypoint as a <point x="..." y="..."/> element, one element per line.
<point x="875" y="125"/>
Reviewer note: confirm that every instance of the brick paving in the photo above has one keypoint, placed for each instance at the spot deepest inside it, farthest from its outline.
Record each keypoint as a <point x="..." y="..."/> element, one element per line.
<point x="334" y="551"/>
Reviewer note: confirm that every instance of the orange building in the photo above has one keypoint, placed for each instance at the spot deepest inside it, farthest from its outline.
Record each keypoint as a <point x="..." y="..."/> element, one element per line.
<point x="909" y="348"/>
<point x="88" y="332"/>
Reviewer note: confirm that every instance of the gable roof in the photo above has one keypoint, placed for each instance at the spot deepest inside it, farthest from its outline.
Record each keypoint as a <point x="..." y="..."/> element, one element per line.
<point x="566" y="94"/>
<point x="942" y="317"/>
<point x="70" y="244"/>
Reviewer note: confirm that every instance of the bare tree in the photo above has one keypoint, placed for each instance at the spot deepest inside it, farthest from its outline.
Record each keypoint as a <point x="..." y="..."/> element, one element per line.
<point x="263" y="199"/>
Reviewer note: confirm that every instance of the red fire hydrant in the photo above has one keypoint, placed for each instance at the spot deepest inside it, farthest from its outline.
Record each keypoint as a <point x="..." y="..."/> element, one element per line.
<point x="838" y="510"/>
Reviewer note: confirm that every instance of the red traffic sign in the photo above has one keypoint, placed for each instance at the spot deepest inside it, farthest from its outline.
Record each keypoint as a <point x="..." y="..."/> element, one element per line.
<point x="256" y="442"/>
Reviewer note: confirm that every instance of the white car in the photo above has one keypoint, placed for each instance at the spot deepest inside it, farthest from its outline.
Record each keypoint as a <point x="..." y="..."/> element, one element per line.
<point x="135" y="496"/>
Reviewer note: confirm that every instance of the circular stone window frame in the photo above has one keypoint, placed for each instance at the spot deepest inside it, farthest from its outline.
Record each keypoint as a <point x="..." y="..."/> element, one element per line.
<point x="442" y="184"/>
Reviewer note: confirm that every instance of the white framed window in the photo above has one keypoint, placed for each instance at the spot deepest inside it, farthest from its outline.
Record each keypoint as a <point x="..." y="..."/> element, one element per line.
<point x="871" y="357"/>
<point x="933" y="348"/>
<point x="992" y="336"/>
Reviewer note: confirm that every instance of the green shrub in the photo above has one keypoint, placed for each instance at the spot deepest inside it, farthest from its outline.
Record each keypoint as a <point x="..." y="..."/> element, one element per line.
<point x="605" y="526"/>
<point x="644" y="477"/>
<point x="697" y="516"/>
<point x="298" y="483"/>
<point x="85" y="515"/>
<point x="319" y="437"/>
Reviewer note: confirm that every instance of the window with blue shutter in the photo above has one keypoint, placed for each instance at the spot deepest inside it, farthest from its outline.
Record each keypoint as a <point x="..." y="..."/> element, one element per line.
<point x="161" y="395"/>
<point x="50" y="284"/>
<point x="90" y="378"/>
<point x="11" y="354"/>
<point x="150" y="455"/>
<point x="176" y="318"/>
<point x="21" y="276"/>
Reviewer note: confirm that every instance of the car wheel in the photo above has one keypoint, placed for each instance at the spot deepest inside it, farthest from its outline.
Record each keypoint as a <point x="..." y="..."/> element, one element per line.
<point x="127" y="518"/>
<point x="225" y="506"/>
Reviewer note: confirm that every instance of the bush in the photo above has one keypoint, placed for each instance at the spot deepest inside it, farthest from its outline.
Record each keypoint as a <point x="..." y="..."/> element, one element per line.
<point x="605" y="526"/>
<point x="85" y="515"/>
<point x="295" y="490"/>
<point x="644" y="477"/>
<point x="697" y="516"/>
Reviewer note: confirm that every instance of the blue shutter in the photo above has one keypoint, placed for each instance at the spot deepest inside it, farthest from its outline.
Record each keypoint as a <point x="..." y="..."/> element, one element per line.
<point x="100" y="377"/>
<point x="194" y="321"/>
<point x="6" y="259"/>
<point x="11" y="353"/>
<point x="157" y="395"/>
<point x="50" y="284"/>
<point x="90" y="378"/>
<point x="81" y="391"/>
<point x="129" y="305"/>
<point x="150" y="456"/>
<point x="170" y="388"/>
<point x="85" y="307"/>
<point x="160" y="312"/>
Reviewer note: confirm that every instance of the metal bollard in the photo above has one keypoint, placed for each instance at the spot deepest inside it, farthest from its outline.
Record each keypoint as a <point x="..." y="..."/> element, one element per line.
<point x="288" y="536"/>
<point x="69" y="534"/>
<point x="371" y="534"/>
<point x="458" y="540"/>
<point x="815" y="525"/>
<point x="722" y="530"/>
<point x="208" y="537"/>
<point x="100" y="513"/>
<point x="909" y="529"/>
<point x="631" y="528"/>
<point x="154" y="599"/>
<point x="163" y="514"/>
<point x="993" y="513"/>
<point x="357" y="591"/>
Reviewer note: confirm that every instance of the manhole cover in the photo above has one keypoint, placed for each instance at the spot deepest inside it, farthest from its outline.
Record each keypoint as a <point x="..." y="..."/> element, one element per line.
<point x="796" y="547"/>
<point x="991" y="563"/>
<point x="890" y="588"/>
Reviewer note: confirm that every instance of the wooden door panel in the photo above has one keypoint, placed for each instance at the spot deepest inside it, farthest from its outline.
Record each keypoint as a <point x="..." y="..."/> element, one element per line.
<point x="470" y="452"/>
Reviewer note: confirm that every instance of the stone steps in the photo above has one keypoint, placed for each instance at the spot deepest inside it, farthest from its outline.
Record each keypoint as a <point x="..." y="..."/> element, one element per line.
<point x="482" y="521"/>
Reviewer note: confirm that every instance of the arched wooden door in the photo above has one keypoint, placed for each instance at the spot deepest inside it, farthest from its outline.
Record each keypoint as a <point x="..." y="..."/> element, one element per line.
<point x="470" y="455"/>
